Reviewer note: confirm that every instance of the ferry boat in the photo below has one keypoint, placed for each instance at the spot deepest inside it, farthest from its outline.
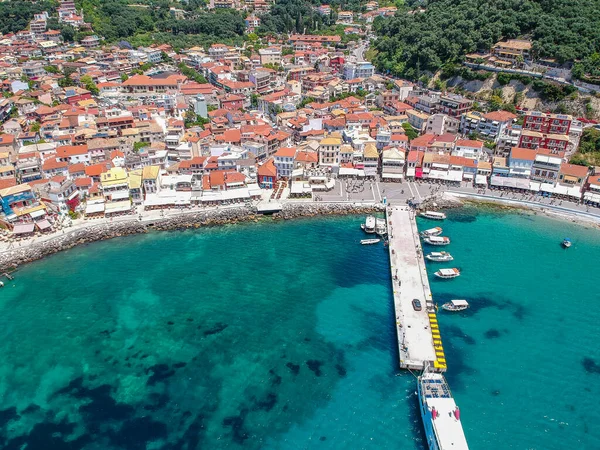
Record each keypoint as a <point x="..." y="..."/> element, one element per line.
<point x="440" y="414"/>
<point x="369" y="241"/>
<point x="369" y="225"/>
<point x="447" y="273"/>
<point x="434" y="215"/>
<point x="439" y="257"/>
<point x="456" y="305"/>
<point x="566" y="243"/>
<point x="436" y="240"/>
<point x="432" y="232"/>
<point x="380" y="227"/>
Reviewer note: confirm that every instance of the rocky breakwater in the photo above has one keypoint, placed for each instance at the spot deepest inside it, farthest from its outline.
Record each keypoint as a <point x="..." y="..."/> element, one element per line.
<point x="203" y="218"/>
<point x="292" y="211"/>
<point x="440" y="201"/>
<point x="28" y="252"/>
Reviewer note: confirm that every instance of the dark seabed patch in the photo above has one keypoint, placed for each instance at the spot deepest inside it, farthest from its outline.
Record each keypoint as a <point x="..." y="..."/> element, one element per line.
<point x="457" y="332"/>
<point x="315" y="366"/>
<point x="236" y="424"/>
<point x="266" y="404"/>
<point x="294" y="368"/>
<point x="341" y="370"/>
<point x="495" y="393"/>
<point x="590" y="365"/>
<point x="215" y="329"/>
<point x="492" y="333"/>
<point x="6" y="415"/>
<point x="160" y="372"/>
<point x="49" y="436"/>
<point x="135" y="434"/>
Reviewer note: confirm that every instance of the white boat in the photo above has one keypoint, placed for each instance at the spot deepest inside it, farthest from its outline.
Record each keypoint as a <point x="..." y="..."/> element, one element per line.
<point x="456" y="305"/>
<point x="436" y="240"/>
<point x="380" y="227"/>
<point x="447" y="273"/>
<point x="434" y="215"/>
<point x="369" y="225"/>
<point x="432" y="232"/>
<point x="440" y="415"/>
<point x="566" y="243"/>
<point x="439" y="256"/>
<point x="370" y="241"/>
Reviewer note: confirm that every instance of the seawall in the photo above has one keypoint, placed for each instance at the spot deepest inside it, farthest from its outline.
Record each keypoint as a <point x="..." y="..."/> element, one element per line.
<point x="87" y="232"/>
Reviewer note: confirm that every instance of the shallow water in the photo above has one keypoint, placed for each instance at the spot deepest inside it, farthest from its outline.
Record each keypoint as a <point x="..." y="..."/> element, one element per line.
<point x="281" y="335"/>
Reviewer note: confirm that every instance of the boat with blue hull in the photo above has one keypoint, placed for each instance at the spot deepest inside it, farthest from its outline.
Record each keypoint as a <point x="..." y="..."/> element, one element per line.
<point x="440" y="414"/>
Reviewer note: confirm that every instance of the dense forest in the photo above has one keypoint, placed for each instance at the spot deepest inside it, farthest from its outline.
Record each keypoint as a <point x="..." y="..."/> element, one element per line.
<point x="416" y="41"/>
<point x="16" y="14"/>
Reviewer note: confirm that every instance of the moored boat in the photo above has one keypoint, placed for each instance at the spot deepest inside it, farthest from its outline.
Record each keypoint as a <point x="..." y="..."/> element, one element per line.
<point x="369" y="225"/>
<point x="380" y="227"/>
<point x="434" y="215"/>
<point x="447" y="273"/>
<point x="456" y="305"/>
<point x="440" y="414"/>
<point x="566" y="243"/>
<point x="432" y="232"/>
<point x="436" y="240"/>
<point x="370" y="241"/>
<point x="439" y="256"/>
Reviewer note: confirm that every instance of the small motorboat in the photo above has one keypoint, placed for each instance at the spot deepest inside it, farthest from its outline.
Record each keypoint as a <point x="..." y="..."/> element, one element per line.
<point x="369" y="241"/>
<point x="446" y="274"/>
<point x="436" y="240"/>
<point x="439" y="257"/>
<point x="432" y="232"/>
<point x="369" y="225"/>
<point x="566" y="243"/>
<point x="456" y="305"/>
<point x="434" y="215"/>
<point x="380" y="227"/>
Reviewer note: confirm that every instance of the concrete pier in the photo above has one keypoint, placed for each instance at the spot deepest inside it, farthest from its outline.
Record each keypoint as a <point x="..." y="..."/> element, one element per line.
<point x="418" y="334"/>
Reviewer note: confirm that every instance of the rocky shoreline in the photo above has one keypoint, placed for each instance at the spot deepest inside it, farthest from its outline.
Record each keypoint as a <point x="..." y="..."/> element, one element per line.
<point x="11" y="259"/>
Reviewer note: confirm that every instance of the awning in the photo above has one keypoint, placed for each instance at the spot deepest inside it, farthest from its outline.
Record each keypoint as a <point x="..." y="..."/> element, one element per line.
<point x="116" y="207"/>
<point x="23" y="228"/>
<point x="481" y="179"/>
<point x="119" y="195"/>
<point x="394" y="176"/>
<point x="547" y="187"/>
<point x="38" y="213"/>
<point x="94" y="208"/>
<point x="410" y="172"/>
<point x="467" y="176"/>
<point x="534" y="186"/>
<point x="591" y="197"/>
<point x="438" y="175"/>
<point x="43" y="225"/>
<point x="560" y="189"/>
<point x="574" y="191"/>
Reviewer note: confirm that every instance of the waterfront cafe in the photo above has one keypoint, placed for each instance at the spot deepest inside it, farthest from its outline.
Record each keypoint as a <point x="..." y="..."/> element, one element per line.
<point x="24" y="230"/>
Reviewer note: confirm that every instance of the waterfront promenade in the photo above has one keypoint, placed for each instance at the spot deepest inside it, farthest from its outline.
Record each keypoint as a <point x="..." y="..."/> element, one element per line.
<point x="418" y="333"/>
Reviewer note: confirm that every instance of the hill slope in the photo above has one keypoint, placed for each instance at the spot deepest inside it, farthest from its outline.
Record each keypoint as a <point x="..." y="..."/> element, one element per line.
<point x="413" y="42"/>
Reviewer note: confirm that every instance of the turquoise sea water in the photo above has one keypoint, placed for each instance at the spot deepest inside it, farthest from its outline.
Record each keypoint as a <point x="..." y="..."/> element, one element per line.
<point x="281" y="335"/>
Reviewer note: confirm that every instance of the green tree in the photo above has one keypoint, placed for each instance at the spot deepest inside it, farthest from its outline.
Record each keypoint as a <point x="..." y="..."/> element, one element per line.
<point x="87" y="82"/>
<point x="410" y="132"/>
<point x="137" y="146"/>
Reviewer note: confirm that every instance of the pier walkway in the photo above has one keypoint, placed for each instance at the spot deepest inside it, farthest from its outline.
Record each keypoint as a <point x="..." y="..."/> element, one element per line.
<point x="419" y="338"/>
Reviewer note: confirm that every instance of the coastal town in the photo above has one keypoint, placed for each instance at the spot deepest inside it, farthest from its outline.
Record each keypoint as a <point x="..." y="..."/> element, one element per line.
<point x="92" y="130"/>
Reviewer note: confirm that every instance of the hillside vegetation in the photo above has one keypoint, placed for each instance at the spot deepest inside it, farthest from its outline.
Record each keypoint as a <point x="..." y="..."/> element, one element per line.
<point x="413" y="42"/>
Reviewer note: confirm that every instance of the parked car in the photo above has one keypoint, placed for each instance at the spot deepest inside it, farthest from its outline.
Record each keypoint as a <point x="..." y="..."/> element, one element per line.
<point x="416" y="304"/>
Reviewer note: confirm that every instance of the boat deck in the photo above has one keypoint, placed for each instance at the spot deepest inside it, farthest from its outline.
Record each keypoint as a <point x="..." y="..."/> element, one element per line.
<point x="435" y="389"/>
<point x="419" y="338"/>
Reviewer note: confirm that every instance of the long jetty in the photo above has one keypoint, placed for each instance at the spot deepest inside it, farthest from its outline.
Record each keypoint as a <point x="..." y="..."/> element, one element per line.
<point x="419" y="340"/>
